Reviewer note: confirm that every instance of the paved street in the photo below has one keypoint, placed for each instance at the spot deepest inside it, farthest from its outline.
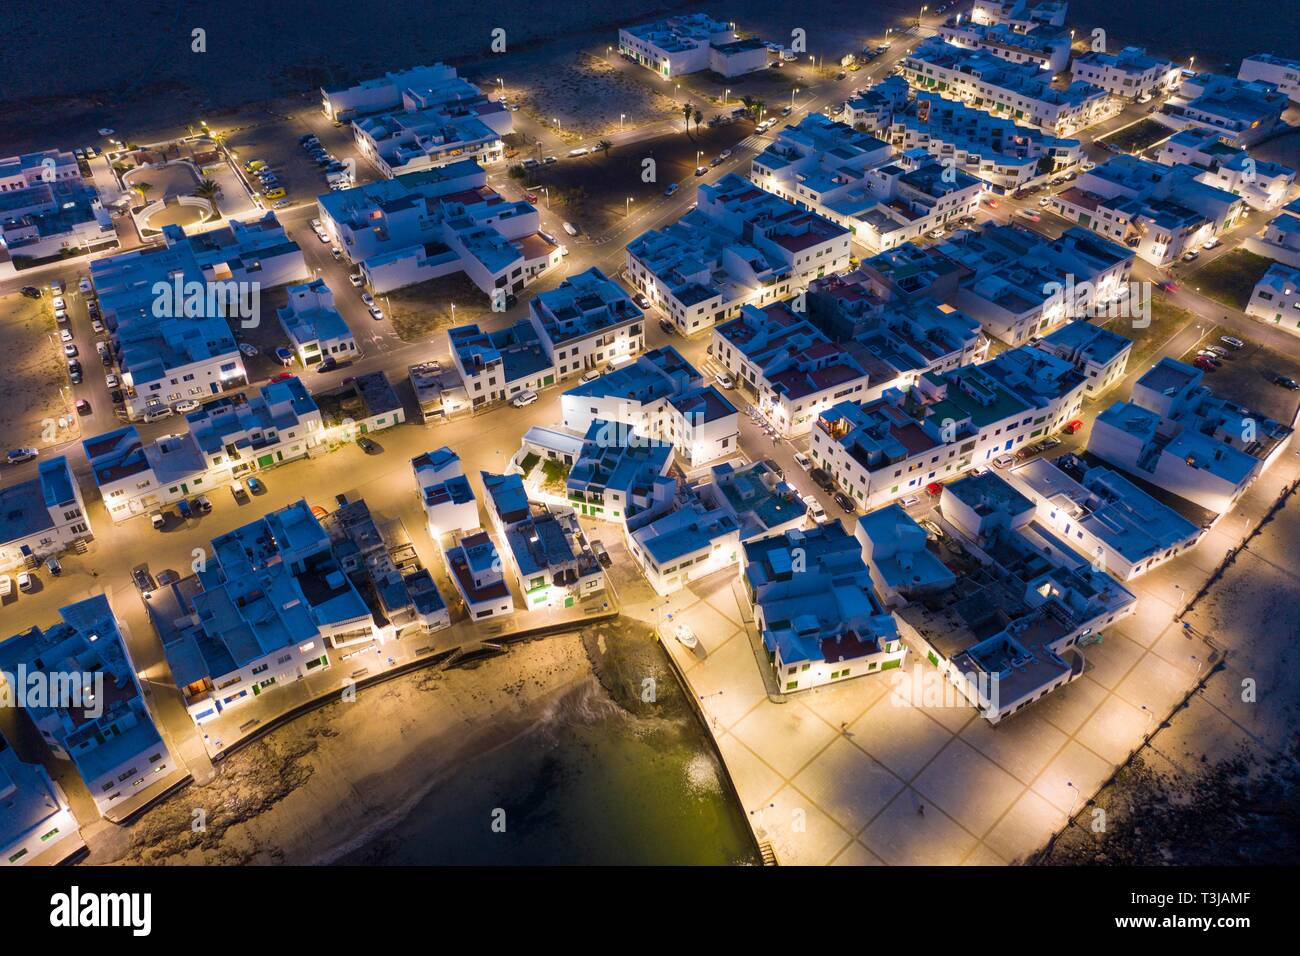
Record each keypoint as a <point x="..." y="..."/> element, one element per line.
<point x="850" y="773"/>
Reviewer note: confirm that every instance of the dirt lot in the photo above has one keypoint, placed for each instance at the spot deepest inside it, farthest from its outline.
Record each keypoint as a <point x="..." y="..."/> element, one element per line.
<point x="1141" y="135"/>
<point x="589" y="93"/>
<point x="35" y="392"/>
<point x="593" y="190"/>
<point x="1231" y="278"/>
<point x="423" y="312"/>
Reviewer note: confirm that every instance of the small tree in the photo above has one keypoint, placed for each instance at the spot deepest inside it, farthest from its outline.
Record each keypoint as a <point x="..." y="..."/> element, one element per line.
<point x="605" y="146"/>
<point x="207" y="189"/>
<point x="143" y="190"/>
<point x="687" y="111"/>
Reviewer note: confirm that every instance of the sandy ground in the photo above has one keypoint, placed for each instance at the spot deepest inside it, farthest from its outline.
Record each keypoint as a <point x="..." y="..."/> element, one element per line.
<point x="591" y="94"/>
<point x="34" y="389"/>
<point x="319" y="786"/>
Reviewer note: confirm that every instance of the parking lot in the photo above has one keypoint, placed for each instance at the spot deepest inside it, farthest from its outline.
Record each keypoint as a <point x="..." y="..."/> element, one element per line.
<point x="37" y="395"/>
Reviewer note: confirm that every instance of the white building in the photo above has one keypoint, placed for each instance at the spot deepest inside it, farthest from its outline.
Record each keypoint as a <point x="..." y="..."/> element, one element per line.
<point x="686" y="544"/>
<point x="1019" y="284"/>
<point x="1245" y="112"/>
<point x="1104" y="517"/>
<point x="1130" y="73"/>
<point x="1276" y="298"/>
<point x="1021" y="92"/>
<point x="1099" y="353"/>
<point x="261" y="615"/>
<point x="476" y="570"/>
<point x="58" y="218"/>
<point x="1174" y="433"/>
<point x="437" y="222"/>
<point x="1045" y="47"/>
<point x="225" y="441"/>
<point x="910" y="440"/>
<point x="1012" y="626"/>
<point x="790" y="370"/>
<point x="314" y="326"/>
<point x="449" y="503"/>
<point x="1022" y="15"/>
<point x="102" y="723"/>
<point x="587" y="322"/>
<point x="856" y="181"/>
<point x="689" y="43"/>
<point x="1281" y="72"/>
<point x="42" y="516"/>
<point x="991" y="148"/>
<point x="1158" y="211"/>
<point x="1263" y="184"/>
<point x="814" y="605"/>
<point x="552" y="562"/>
<point x="740" y="246"/>
<point x="169" y="308"/>
<point x="1281" y="237"/>
<point x="662" y="398"/>
<point x="495" y="366"/>
<point x="35" y="818"/>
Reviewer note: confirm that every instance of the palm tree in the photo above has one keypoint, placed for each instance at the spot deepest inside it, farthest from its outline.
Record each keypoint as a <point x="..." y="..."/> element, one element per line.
<point x="687" y="112"/>
<point x="605" y="146"/>
<point x="207" y="189"/>
<point x="142" y="189"/>
<point x="698" y="116"/>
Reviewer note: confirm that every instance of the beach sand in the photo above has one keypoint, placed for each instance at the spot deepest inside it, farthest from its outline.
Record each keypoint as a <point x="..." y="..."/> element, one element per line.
<point x="323" y="783"/>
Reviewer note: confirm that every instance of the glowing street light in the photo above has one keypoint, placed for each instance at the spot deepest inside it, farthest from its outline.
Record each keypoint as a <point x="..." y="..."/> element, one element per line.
<point x="627" y="207"/>
<point x="792" y="93"/>
<point x="726" y="94"/>
<point x="621" y="117"/>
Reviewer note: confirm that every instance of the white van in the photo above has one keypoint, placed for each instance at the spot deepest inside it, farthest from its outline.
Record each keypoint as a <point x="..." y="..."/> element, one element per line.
<point x="158" y="414"/>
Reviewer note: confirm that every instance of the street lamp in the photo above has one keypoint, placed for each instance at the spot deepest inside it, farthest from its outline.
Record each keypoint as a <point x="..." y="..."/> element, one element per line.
<point x="792" y="93"/>
<point x="924" y="7"/>
<point x="627" y="207"/>
<point x="621" y="117"/>
<point x="726" y="94"/>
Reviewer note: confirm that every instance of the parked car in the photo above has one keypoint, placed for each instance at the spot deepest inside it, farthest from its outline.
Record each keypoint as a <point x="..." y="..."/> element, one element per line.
<point x="909" y="501"/>
<point x="112" y="381"/>
<point x="97" y="326"/>
<point x="83" y="407"/>
<point x="570" y="228"/>
<point x="701" y="170"/>
<point x="803" y="461"/>
<point x="666" y="326"/>
<point x="17" y="456"/>
<point x="524" y="398"/>
<point x="239" y="494"/>
<point x="1285" y="382"/>
<point x="1074" y="426"/>
<point x="1232" y="341"/>
<point x="185" y="508"/>
<point x="601" y="554"/>
<point x="357" y="279"/>
<point x="1004" y="461"/>
<point x="187" y="405"/>
<point x="672" y="188"/>
<point x="157" y="519"/>
<point x="376" y="313"/>
<point x="685" y="635"/>
<point x="822" y="479"/>
<point x="815" y="509"/>
<point x="6" y="587"/>
<point x="31" y="292"/>
<point x="26" y="581"/>
<point x="1191" y="256"/>
<point x="248" y="349"/>
<point x="726" y="381"/>
<point x="1205" y="364"/>
<point x="70" y="350"/>
<point x="202" y="505"/>
<point x="74" y="372"/>
<point x="255" y="485"/>
<point x="845" y="502"/>
<point x="158" y="414"/>
<point x="589" y="376"/>
<point x="368" y="446"/>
